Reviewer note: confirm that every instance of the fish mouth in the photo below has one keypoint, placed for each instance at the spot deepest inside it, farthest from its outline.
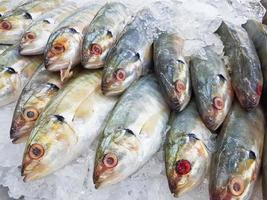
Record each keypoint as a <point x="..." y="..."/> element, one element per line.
<point x="27" y="50"/>
<point x="93" y="65"/>
<point x="54" y="66"/>
<point x="107" y="90"/>
<point x="210" y="122"/>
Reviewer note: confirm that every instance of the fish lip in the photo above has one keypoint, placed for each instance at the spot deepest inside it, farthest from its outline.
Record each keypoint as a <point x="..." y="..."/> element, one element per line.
<point x="93" y="65"/>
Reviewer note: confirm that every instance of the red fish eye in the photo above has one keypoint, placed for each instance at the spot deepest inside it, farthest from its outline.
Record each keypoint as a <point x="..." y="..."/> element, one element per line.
<point x="110" y="160"/>
<point x="120" y="75"/>
<point x="96" y="49"/>
<point x="179" y="86"/>
<point x="36" y="151"/>
<point x="6" y="25"/>
<point x="218" y="103"/>
<point x="30" y="36"/>
<point x="259" y="89"/>
<point x="183" y="167"/>
<point x="236" y="186"/>
<point x="58" y="48"/>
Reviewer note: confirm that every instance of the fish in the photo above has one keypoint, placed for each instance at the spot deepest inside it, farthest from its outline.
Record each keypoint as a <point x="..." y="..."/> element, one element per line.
<point x="131" y="57"/>
<point x="258" y="34"/>
<point x="6" y="6"/>
<point x="35" y="38"/>
<point x="15" y="72"/>
<point x="188" y="150"/>
<point x="102" y="33"/>
<point x="236" y="164"/>
<point x="245" y="66"/>
<point x="13" y="23"/>
<point x="63" y="48"/>
<point x="133" y="133"/>
<point x="212" y="88"/>
<point x="43" y="86"/>
<point x="3" y="48"/>
<point x="172" y="70"/>
<point x="67" y="126"/>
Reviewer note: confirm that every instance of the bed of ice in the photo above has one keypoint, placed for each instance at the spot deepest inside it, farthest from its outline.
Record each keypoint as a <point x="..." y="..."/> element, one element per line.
<point x="195" y="21"/>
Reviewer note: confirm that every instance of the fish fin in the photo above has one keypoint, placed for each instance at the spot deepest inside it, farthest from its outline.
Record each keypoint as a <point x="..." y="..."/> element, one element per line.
<point x="66" y="73"/>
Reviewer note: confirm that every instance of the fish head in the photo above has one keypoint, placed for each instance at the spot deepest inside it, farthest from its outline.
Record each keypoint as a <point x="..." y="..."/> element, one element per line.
<point x="26" y="114"/>
<point x="117" y="157"/>
<point x="176" y="84"/>
<point x="121" y="70"/>
<point x="249" y="94"/>
<point x="186" y="164"/>
<point x="96" y="45"/>
<point x="63" y="49"/>
<point x="9" y="84"/>
<point x="219" y="97"/>
<point x="236" y="173"/>
<point x="48" y="147"/>
<point x="35" y="38"/>
<point x="12" y="26"/>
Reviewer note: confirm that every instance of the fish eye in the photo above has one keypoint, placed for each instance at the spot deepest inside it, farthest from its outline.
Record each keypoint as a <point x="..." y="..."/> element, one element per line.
<point x="110" y="160"/>
<point x="30" y="114"/>
<point x="6" y="25"/>
<point x="10" y="70"/>
<point x="95" y="49"/>
<point x="236" y="186"/>
<point x="30" y="36"/>
<point x="120" y="75"/>
<point x="36" y="151"/>
<point x="27" y="15"/>
<point x="218" y="103"/>
<point x="57" y="48"/>
<point x="179" y="86"/>
<point x="183" y="167"/>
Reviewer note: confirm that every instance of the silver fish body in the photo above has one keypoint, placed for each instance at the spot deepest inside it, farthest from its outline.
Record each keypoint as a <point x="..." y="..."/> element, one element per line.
<point x="212" y="88"/>
<point x="13" y="24"/>
<point x="172" y="70"/>
<point x="15" y="72"/>
<point x="246" y="74"/>
<point x="70" y="122"/>
<point x="63" y="49"/>
<point x="43" y="86"/>
<point x="258" y="34"/>
<point x="35" y="38"/>
<point x="236" y="163"/>
<point x="188" y="149"/>
<point x="132" y="55"/>
<point x="102" y="33"/>
<point x="133" y="133"/>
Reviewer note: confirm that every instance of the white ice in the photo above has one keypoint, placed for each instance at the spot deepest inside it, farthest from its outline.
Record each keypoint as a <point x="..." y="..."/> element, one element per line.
<point x="195" y="21"/>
